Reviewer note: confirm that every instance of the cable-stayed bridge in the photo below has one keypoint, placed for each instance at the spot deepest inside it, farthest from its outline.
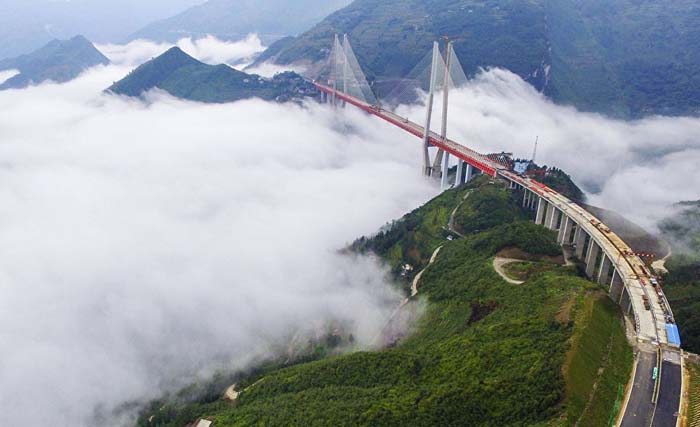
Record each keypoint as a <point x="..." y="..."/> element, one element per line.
<point x="654" y="394"/>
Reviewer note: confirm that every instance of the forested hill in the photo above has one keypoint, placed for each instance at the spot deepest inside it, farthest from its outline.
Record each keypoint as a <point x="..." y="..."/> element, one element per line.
<point x="682" y="284"/>
<point x="59" y="61"/>
<point x="187" y="78"/>
<point x="626" y="58"/>
<point x="551" y="351"/>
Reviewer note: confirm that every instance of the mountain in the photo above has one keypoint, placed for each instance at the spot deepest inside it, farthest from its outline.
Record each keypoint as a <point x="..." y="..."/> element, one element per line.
<point x="59" y="61"/>
<point x="682" y="283"/>
<point x="234" y="19"/>
<point x="627" y="58"/>
<point x="484" y="352"/>
<point x="187" y="78"/>
<point x="26" y="25"/>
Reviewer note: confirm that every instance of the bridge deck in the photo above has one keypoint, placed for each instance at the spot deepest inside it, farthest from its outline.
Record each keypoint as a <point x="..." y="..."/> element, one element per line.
<point x="650" y="324"/>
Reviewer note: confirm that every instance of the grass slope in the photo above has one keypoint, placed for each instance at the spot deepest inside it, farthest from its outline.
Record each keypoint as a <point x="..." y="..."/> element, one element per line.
<point x="485" y="353"/>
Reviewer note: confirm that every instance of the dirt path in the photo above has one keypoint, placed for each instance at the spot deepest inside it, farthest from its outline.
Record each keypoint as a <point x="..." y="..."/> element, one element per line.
<point x="231" y="393"/>
<point x="451" y="222"/>
<point x="416" y="280"/>
<point x="499" y="263"/>
<point x="659" y="266"/>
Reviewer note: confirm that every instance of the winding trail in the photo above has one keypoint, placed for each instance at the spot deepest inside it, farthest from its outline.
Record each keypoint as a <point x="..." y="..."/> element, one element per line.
<point x="416" y="280"/>
<point x="499" y="263"/>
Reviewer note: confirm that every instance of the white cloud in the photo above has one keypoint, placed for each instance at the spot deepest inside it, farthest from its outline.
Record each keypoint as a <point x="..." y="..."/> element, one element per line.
<point x="144" y="244"/>
<point x="636" y="168"/>
<point x="268" y="69"/>
<point x="208" y="49"/>
<point x="5" y="75"/>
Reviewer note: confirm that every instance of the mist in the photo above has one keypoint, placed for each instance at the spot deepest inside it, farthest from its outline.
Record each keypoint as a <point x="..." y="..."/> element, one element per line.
<point x="144" y="245"/>
<point x="636" y="168"/>
<point x="147" y="243"/>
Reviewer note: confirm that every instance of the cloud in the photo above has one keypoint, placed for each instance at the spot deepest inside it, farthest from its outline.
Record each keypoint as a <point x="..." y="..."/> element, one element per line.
<point x="268" y="69"/>
<point x="145" y="244"/>
<point x="5" y="75"/>
<point x="636" y="168"/>
<point x="208" y="49"/>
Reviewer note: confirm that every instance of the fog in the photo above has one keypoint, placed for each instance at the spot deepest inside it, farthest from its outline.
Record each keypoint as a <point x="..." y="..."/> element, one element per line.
<point x="207" y="49"/>
<point x="145" y="244"/>
<point x="26" y="25"/>
<point x="638" y="168"/>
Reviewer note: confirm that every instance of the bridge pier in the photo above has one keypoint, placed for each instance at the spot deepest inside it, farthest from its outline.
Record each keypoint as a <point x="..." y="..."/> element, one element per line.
<point x="592" y="259"/>
<point x="580" y="241"/>
<point x="459" y="176"/>
<point x="444" y="183"/>
<point x="541" y="208"/>
<point x="616" y="287"/>
<point x="604" y="275"/>
<point x="551" y="210"/>
<point x="565" y="231"/>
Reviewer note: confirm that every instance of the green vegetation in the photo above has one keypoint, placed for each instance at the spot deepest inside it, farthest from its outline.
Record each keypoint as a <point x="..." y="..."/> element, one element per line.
<point x="59" y="61"/>
<point x="184" y="77"/>
<point x="682" y="284"/>
<point x="485" y="353"/>
<point x="599" y="355"/>
<point x="527" y="270"/>
<point x="624" y="58"/>
<point x="693" y="411"/>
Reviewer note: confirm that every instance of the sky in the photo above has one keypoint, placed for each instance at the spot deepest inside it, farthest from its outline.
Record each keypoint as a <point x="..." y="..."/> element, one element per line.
<point x="145" y="244"/>
<point x="26" y="25"/>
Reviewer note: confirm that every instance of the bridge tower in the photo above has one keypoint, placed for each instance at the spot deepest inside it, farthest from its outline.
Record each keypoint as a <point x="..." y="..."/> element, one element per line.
<point x="427" y="167"/>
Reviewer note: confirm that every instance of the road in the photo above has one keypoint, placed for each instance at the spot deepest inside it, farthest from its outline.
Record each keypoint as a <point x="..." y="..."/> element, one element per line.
<point x="640" y="408"/>
<point x="669" y="391"/>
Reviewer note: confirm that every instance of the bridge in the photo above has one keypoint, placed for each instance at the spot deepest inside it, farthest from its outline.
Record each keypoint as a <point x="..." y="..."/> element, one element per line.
<point x="654" y="395"/>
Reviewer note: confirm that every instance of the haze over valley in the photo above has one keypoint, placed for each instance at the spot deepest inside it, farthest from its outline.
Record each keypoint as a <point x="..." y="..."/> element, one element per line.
<point x="190" y="231"/>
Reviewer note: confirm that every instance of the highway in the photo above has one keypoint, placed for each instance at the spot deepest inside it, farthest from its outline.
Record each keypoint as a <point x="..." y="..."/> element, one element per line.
<point x="650" y="324"/>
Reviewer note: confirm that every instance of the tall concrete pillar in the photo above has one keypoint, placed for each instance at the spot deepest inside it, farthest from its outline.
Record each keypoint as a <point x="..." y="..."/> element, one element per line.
<point x="551" y="210"/>
<point x="580" y="242"/>
<point x="427" y="167"/>
<point x="625" y="301"/>
<point x="469" y="174"/>
<point x="604" y="271"/>
<point x="459" y="176"/>
<point x="445" y="171"/>
<point x="591" y="258"/>
<point x="526" y="195"/>
<point x="565" y="231"/>
<point x="541" y="209"/>
<point x="616" y="287"/>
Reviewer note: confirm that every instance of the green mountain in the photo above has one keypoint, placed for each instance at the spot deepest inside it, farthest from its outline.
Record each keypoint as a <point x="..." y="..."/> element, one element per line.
<point x="625" y="58"/>
<point x="187" y="78"/>
<point x="548" y="352"/>
<point x="234" y="19"/>
<point x="59" y="61"/>
<point x="682" y="283"/>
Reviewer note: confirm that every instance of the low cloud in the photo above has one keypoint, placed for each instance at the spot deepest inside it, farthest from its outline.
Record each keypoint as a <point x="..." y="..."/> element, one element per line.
<point x="637" y="168"/>
<point x="5" y="75"/>
<point x="208" y="49"/>
<point x="145" y="244"/>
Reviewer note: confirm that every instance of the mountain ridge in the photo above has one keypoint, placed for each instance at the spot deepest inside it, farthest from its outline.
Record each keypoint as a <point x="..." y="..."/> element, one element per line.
<point x="185" y="77"/>
<point x="628" y="59"/>
<point x="59" y="61"/>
